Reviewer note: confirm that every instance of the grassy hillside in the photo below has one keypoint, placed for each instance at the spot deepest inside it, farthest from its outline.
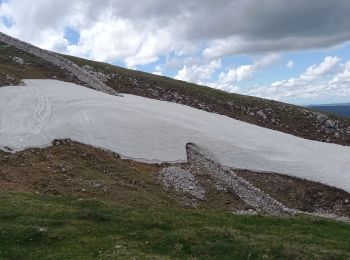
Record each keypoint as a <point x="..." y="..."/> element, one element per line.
<point x="41" y="227"/>
<point x="73" y="201"/>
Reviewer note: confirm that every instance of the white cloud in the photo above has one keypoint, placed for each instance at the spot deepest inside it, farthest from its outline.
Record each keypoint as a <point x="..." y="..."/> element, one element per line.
<point x="311" y="86"/>
<point x="320" y="70"/>
<point x="290" y="64"/>
<point x="193" y="36"/>
<point x="159" y="73"/>
<point x="198" y="73"/>
<point x="141" y="32"/>
<point x="225" y="87"/>
<point x="104" y="36"/>
<point x="246" y="71"/>
<point x="343" y="77"/>
<point x="238" y="74"/>
<point x="121" y="40"/>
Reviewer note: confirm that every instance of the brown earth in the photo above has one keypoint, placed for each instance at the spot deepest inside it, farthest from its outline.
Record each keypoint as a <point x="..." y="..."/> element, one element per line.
<point x="72" y="169"/>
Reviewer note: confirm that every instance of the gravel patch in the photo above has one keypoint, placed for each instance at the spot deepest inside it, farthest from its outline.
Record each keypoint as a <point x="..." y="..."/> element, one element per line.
<point x="182" y="181"/>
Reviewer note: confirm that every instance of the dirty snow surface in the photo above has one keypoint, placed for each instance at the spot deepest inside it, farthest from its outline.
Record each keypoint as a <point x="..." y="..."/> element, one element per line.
<point x="154" y="131"/>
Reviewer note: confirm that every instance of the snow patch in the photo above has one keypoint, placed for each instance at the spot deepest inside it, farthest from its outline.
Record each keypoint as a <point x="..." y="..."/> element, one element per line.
<point x="157" y="131"/>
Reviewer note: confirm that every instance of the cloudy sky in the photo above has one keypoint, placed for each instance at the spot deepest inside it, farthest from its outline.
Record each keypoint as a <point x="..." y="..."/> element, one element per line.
<point x="295" y="51"/>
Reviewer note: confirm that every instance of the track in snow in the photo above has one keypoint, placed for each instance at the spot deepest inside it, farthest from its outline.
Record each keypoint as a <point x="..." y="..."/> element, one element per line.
<point x="155" y="131"/>
<point x="42" y="113"/>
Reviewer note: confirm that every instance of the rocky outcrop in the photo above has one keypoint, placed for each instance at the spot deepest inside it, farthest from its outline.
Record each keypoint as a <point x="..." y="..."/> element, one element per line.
<point x="200" y="163"/>
<point x="59" y="61"/>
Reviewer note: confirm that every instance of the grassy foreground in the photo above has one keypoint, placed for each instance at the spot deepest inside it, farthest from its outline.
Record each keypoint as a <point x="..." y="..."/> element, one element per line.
<point x="39" y="227"/>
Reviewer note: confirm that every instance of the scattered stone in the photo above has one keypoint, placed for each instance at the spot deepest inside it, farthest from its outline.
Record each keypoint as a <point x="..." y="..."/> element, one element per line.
<point x="320" y="116"/>
<point x="155" y="93"/>
<point x="262" y="114"/>
<point x="42" y="229"/>
<point x="18" y="60"/>
<point x="249" y="212"/>
<point x="182" y="181"/>
<point x="330" y="123"/>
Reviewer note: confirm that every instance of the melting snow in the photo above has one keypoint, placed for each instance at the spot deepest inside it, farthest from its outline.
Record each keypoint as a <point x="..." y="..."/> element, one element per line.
<point x="154" y="131"/>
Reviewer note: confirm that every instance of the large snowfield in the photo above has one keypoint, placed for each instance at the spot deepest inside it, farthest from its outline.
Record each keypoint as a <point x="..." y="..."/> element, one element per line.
<point x="154" y="131"/>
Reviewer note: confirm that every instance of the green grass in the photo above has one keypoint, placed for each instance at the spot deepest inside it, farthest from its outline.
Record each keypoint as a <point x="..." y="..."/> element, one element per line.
<point x="38" y="227"/>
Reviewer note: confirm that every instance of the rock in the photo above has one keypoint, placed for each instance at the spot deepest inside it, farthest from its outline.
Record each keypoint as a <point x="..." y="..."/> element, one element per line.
<point x="201" y="164"/>
<point x="320" y="116"/>
<point x="330" y="123"/>
<point x="155" y="93"/>
<point x="230" y="104"/>
<point x="18" y="60"/>
<point x="249" y="212"/>
<point x="182" y="181"/>
<point x="8" y="77"/>
<point x="262" y="114"/>
<point x="98" y="185"/>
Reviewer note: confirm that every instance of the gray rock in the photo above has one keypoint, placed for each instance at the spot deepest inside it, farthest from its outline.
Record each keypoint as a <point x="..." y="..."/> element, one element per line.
<point x="262" y="114"/>
<point x="18" y="60"/>
<point x="182" y="181"/>
<point x="200" y="163"/>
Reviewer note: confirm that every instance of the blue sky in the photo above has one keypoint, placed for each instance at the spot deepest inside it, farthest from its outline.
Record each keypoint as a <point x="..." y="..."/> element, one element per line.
<point x="292" y="51"/>
<point x="72" y="35"/>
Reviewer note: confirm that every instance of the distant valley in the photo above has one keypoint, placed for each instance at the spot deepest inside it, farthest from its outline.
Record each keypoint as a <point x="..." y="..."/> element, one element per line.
<point x="339" y="109"/>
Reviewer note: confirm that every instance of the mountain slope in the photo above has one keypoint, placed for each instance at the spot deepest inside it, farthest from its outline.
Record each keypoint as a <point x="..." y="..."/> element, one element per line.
<point x="270" y="114"/>
<point x="65" y="199"/>
<point x="153" y="131"/>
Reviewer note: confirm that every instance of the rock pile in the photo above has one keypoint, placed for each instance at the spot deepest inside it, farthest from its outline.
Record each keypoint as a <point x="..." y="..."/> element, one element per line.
<point x="182" y="181"/>
<point x="200" y="163"/>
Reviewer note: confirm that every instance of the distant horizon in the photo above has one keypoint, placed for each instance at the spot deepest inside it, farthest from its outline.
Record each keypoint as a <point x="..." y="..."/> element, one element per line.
<point x="338" y="109"/>
<point x="332" y="104"/>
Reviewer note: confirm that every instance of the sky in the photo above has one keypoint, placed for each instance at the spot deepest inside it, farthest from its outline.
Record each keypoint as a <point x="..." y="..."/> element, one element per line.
<point x="292" y="51"/>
